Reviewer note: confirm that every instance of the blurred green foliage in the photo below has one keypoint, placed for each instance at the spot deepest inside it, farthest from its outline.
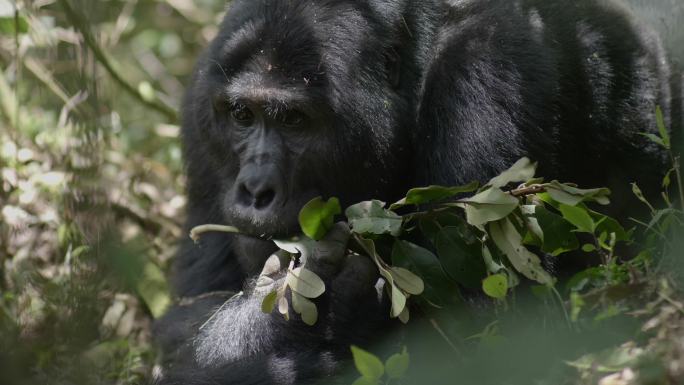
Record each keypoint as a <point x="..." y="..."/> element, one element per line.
<point x="91" y="187"/>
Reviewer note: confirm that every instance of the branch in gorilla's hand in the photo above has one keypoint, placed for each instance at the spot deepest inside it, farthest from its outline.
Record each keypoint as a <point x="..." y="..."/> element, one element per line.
<point x="479" y="241"/>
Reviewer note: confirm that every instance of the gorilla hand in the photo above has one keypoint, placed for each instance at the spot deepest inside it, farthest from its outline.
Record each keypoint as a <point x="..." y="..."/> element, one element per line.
<point x="346" y="276"/>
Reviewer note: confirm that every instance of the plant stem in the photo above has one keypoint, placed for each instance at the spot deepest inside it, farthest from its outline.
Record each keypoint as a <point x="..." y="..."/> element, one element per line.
<point x="678" y="174"/>
<point x="444" y="336"/>
<point x="528" y="190"/>
<point x="196" y="231"/>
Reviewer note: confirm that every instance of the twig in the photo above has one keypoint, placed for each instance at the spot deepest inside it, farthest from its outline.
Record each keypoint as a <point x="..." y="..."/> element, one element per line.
<point x="78" y="22"/>
<point x="237" y="295"/>
<point x="528" y="190"/>
<point x="196" y="231"/>
<point x="188" y="301"/>
<point x="142" y="221"/>
<point x="678" y="174"/>
<point x="444" y="336"/>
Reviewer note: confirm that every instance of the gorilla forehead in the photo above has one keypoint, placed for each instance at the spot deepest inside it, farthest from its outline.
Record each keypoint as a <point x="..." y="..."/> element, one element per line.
<point x="312" y="40"/>
<point x="335" y="51"/>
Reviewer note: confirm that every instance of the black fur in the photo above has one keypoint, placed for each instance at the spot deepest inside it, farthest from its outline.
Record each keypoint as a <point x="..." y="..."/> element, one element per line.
<point x="402" y="93"/>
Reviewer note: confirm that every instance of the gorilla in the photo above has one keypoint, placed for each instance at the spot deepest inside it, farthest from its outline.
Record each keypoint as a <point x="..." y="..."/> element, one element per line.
<point x="362" y="99"/>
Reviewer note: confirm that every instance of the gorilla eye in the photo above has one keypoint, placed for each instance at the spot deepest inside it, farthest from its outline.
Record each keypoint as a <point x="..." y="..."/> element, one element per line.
<point x="241" y="113"/>
<point x="293" y="118"/>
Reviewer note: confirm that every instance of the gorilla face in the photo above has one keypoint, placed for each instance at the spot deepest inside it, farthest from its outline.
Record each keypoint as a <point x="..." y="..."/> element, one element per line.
<point x="285" y="119"/>
<point x="273" y="138"/>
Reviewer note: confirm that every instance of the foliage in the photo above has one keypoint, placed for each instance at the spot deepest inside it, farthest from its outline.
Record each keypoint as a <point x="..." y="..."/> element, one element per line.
<point x="90" y="181"/>
<point x="481" y="241"/>
<point x="373" y="371"/>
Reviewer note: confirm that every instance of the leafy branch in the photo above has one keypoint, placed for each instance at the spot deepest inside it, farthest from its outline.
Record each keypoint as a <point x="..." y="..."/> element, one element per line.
<point x="482" y="241"/>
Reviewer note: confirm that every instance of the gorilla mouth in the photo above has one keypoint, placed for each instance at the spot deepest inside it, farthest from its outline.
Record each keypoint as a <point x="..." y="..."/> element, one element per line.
<point x="264" y="224"/>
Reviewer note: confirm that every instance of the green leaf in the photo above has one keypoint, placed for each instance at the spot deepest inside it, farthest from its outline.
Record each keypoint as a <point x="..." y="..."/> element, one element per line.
<point x="610" y="225"/>
<point x="398" y="298"/>
<point x="305" y="308"/>
<point x="397" y="364"/>
<point x="659" y="215"/>
<point x="422" y="195"/>
<point x="406" y="280"/>
<point x="269" y="302"/>
<point x="367" y="363"/>
<point x="660" y="122"/>
<point x="305" y="282"/>
<point x="432" y="224"/>
<point x="495" y="286"/>
<point x="579" y="217"/>
<point x="654" y="138"/>
<point x="421" y="260"/>
<point x="316" y="217"/>
<point x="558" y="235"/>
<point x="640" y="195"/>
<point x="489" y="205"/>
<point x="404" y="315"/>
<point x="425" y="264"/>
<point x="532" y="222"/>
<point x="588" y="248"/>
<point x="460" y="261"/>
<point x="522" y="171"/>
<point x="8" y="25"/>
<point x="571" y="196"/>
<point x="667" y="179"/>
<point x="509" y="241"/>
<point x="371" y="217"/>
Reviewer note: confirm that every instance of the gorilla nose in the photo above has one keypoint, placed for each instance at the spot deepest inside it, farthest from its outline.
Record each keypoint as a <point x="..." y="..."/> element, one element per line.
<point x="256" y="193"/>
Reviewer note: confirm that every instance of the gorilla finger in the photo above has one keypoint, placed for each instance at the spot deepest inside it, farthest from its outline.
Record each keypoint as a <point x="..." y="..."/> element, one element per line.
<point x="329" y="252"/>
<point x="359" y="271"/>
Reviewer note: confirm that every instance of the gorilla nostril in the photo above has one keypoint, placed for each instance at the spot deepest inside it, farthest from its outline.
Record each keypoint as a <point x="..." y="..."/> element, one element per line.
<point x="244" y="196"/>
<point x="264" y="198"/>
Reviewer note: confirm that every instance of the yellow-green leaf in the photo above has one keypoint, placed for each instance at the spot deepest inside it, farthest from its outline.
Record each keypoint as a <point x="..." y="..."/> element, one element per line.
<point x="397" y="364"/>
<point x="509" y="241"/>
<point x="269" y="301"/>
<point x="316" y="217"/>
<point x="367" y="363"/>
<point x="579" y="217"/>
<point x="495" y="286"/>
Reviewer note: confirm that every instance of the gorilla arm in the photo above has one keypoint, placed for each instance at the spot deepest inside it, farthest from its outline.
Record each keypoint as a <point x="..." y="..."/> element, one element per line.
<point x="241" y="344"/>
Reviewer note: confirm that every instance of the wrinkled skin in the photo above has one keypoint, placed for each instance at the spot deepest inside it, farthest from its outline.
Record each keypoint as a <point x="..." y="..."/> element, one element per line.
<point x="364" y="99"/>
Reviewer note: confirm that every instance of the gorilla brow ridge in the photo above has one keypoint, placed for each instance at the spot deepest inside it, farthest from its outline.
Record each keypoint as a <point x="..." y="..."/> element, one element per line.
<point x="274" y="96"/>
